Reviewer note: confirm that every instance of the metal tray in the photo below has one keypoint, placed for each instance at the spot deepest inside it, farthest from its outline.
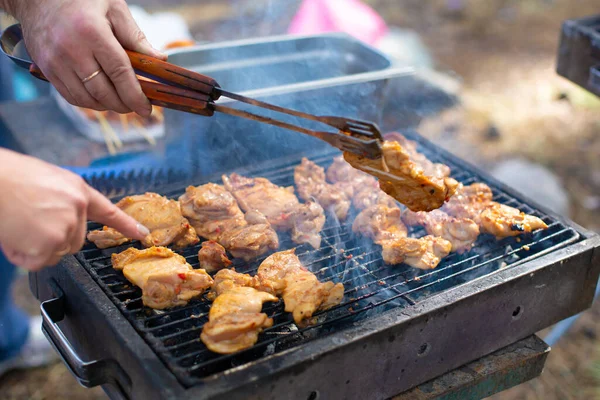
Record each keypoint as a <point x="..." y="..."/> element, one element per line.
<point x="254" y="64"/>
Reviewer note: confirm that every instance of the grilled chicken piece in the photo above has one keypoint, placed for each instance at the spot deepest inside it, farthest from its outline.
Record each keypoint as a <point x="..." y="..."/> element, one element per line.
<point x="165" y="277"/>
<point x="379" y="223"/>
<point x="502" y="221"/>
<point x="211" y="210"/>
<point x="283" y="274"/>
<point x="280" y="206"/>
<point x="212" y="256"/>
<point x="307" y="223"/>
<point x="311" y="183"/>
<point x="234" y="319"/>
<point x="107" y="237"/>
<point x="259" y="194"/>
<point x="347" y="178"/>
<point x="411" y="186"/>
<point x="215" y="214"/>
<point x="460" y="232"/>
<point x="429" y="168"/>
<point x="422" y="253"/>
<point x="370" y="195"/>
<point x="469" y="201"/>
<point x="160" y="215"/>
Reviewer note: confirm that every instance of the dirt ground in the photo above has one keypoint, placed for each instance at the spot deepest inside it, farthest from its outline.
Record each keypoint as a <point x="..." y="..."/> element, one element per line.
<point x="504" y="52"/>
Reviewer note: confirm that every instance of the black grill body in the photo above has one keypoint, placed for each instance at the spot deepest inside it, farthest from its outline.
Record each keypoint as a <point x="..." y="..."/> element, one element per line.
<point x="396" y="328"/>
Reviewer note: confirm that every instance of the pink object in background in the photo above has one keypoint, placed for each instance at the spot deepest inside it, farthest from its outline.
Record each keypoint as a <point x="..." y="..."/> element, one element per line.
<point x="350" y="16"/>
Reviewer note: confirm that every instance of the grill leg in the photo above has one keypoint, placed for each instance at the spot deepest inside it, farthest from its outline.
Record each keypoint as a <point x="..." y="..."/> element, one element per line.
<point x="499" y="371"/>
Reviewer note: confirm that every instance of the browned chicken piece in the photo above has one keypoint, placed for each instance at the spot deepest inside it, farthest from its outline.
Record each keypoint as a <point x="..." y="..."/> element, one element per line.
<point x="460" y="232"/>
<point x="211" y="210"/>
<point x="370" y="195"/>
<point x="347" y="178"/>
<point x="410" y="185"/>
<point x="250" y="241"/>
<point x="380" y="223"/>
<point x="422" y="253"/>
<point x="311" y="183"/>
<point x="502" y="221"/>
<point x="235" y="319"/>
<point x="160" y="215"/>
<point x="283" y="274"/>
<point x="469" y="201"/>
<point x="212" y="256"/>
<point x="307" y="223"/>
<point x="429" y="168"/>
<point x="259" y="194"/>
<point x="107" y="237"/>
<point x="165" y="277"/>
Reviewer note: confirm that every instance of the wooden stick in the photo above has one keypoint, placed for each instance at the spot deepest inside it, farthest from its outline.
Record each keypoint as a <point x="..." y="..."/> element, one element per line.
<point x="124" y="122"/>
<point x="143" y="131"/>
<point x="111" y="132"/>
<point x="109" y="144"/>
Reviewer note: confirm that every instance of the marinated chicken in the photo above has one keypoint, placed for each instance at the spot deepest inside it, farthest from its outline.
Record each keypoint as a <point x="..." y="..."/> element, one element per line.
<point x="235" y="319"/>
<point x="370" y="195"/>
<point x="422" y="253"/>
<point x="165" y="277"/>
<point x="502" y="221"/>
<point x="215" y="214"/>
<point x="404" y="179"/>
<point x="280" y="206"/>
<point x="311" y="183"/>
<point x="107" y="237"/>
<point x="475" y="202"/>
<point x="347" y="178"/>
<point x="212" y="256"/>
<point x="460" y="232"/>
<point x="275" y="202"/>
<point x="307" y="223"/>
<point x="282" y="274"/>
<point x="211" y="210"/>
<point x="380" y="223"/>
<point x="157" y="213"/>
<point x="429" y="168"/>
<point x="384" y="226"/>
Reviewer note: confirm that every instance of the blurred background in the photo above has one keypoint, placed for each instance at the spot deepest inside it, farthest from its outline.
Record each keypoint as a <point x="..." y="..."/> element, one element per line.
<point x="517" y="119"/>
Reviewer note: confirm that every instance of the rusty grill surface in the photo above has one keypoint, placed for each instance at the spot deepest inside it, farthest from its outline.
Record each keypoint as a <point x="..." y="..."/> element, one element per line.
<point x="371" y="287"/>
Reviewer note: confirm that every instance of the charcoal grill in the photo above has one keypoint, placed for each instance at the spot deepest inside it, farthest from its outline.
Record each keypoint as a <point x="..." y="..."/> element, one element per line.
<point x="396" y="328"/>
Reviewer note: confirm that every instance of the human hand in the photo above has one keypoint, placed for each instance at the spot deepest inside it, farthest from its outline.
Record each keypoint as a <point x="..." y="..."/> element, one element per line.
<point x="44" y="211"/>
<point x="69" y="40"/>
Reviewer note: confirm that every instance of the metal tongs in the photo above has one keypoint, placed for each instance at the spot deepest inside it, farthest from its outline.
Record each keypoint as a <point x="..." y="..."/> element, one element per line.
<point x="178" y="88"/>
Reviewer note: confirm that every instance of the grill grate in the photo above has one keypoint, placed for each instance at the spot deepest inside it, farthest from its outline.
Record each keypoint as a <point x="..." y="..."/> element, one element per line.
<point x="371" y="286"/>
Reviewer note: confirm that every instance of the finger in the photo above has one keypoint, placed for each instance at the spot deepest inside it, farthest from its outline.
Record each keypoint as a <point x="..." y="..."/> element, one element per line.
<point x="77" y="239"/>
<point x="117" y="66"/>
<point x="84" y="99"/>
<point x="24" y="261"/>
<point x="129" y="34"/>
<point x="101" y="210"/>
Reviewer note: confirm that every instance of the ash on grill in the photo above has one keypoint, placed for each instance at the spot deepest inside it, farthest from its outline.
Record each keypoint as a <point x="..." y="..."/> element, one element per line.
<point x="371" y="286"/>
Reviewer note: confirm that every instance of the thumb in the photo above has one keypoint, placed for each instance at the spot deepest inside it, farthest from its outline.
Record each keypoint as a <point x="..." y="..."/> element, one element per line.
<point x="102" y="210"/>
<point x="129" y="34"/>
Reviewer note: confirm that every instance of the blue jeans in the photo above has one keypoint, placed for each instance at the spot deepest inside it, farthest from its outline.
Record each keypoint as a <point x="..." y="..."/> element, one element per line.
<point x="14" y="323"/>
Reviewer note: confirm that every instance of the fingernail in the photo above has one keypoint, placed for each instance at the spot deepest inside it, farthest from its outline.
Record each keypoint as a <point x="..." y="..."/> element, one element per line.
<point x="143" y="230"/>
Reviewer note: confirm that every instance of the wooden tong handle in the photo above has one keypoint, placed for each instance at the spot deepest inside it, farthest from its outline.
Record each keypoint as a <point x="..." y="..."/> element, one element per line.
<point x="167" y="73"/>
<point x="163" y="95"/>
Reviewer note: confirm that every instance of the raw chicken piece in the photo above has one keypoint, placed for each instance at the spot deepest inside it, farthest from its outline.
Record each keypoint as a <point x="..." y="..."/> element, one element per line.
<point x="212" y="256"/>
<point x="165" y="277"/>
<point x="280" y="206"/>
<point x="107" y="237"/>
<point x="311" y="183"/>
<point x="460" y="232"/>
<point x="283" y="274"/>
<point x="235" y="319"/>
<point x="411" y="185"/>
<point x="215" y="214"/>
<point x="380" y="223"/>
<point x="469" y="201"/>
<point x="157" y="213"/>
<point x="422" y="253"/>
<point x="259" y="194"/>
<point x="211" y="210"/>
<point x="307" y="222"/>
<point x="502" y="221"/>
